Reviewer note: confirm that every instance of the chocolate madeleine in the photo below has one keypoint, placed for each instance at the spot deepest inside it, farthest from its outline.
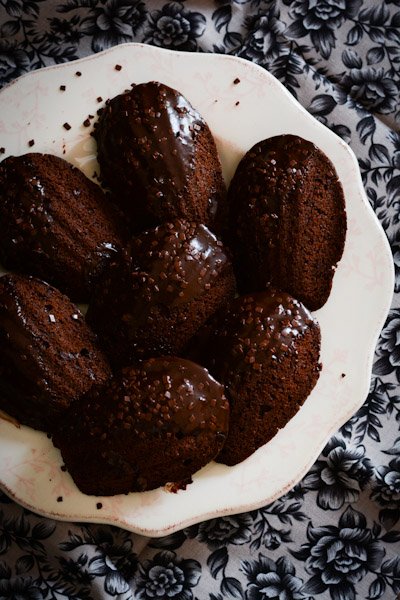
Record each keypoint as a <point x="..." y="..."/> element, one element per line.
<point x="159" y="158"/>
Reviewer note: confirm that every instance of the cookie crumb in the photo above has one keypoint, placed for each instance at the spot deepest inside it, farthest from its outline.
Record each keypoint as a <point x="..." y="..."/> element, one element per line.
<point x="78" y="73"/>
<point x="86" y="123"/>
<point x="236" y="81"/>
<point x="63" y="468"/>
<point x="63" y="88"/>
<point x="99" y="505"/>
<point x="237" y="103"/>
<point x="2" y="150"/>
<point x="59" y="499"/>
<point x="343" y="374"/>
<point x="118" y="67"/>
<point x="31" y="143"/>
<point x="99" y="99"/>
<point x="67" y="126"/>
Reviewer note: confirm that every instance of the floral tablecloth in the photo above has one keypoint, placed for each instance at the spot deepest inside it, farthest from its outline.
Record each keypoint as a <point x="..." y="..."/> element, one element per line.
<point x="336" y="534"/>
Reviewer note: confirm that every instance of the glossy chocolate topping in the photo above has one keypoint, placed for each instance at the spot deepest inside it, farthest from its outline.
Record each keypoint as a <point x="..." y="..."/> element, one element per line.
<point x="55" y="223"/>
<point x="176" y="262"/>
<point x="255" y="330"/>
<point x="166" y="268"/>
<point x="160" y="397"/>
<point x="147" y="145"/>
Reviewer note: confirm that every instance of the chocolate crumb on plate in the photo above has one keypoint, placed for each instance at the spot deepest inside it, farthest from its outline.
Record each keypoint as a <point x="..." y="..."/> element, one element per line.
<point x="31" y="143"/>
<point x="63" y="88"/>
<point x="67" y="126"/>
<point x="78" y="73"/>
<point x="118" y="67"/>
<point x="236" y="81"/>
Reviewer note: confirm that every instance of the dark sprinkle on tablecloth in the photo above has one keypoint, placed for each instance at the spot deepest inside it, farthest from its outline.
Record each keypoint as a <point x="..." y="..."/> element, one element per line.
<point x="336" y="534"/>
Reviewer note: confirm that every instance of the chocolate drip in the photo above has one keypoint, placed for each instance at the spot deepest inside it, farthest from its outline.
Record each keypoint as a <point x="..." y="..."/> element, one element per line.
<point x="175" y="263"/>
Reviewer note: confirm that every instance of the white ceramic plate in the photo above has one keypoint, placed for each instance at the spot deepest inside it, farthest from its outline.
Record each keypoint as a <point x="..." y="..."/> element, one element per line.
<point x="239" y="115"/>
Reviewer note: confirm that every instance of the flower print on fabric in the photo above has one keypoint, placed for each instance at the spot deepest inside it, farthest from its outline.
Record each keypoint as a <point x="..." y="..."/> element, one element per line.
<point x="269" y="580"/>
<point x="111" y="557"/>
<point x="114" y="559"/>
<point x="339" y="478"/>
<point x="113" y="22"/>
<point x="64" y="31"/>
<point x="175" y="27"/>
<point x="264" y="41"/>
<point x="320" y="19"/>
<point x="339" y="557"/>
<point x="13" y="61"/>
<point x="215" y="533"/>
<point x="371" y="87"/>
<point x="388" y="348"/>
<point x="76" y="572"/>
<point x="167" y="577"/>
<point x="19" y="587"/>
<point x="386" y="491"/>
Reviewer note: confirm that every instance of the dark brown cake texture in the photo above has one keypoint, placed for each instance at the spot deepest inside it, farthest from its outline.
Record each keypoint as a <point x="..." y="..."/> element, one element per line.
<point x="153" y="300"/>
<point x="154" y="423"/>
<point x="48" y="355"/>
<point x="55" y="223"/>
<point x="288" y="219"/>
<point x="264" y="347"/>
<point x="159" y="158"/>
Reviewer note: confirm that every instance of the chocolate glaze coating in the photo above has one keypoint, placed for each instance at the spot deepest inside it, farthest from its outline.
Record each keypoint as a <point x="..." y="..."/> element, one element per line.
<point x="48" y="355"/>
<point x="288" y="218"/>
<point x="153" y="423"/>
<point x="159" y="158"/>
<point x="55" y="223"/>
<point x="156" y="297"/>
<point x="264" y="347"/>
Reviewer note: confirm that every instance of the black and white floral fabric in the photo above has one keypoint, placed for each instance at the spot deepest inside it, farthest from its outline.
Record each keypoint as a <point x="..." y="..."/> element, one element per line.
<point x="336" y="534"/>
